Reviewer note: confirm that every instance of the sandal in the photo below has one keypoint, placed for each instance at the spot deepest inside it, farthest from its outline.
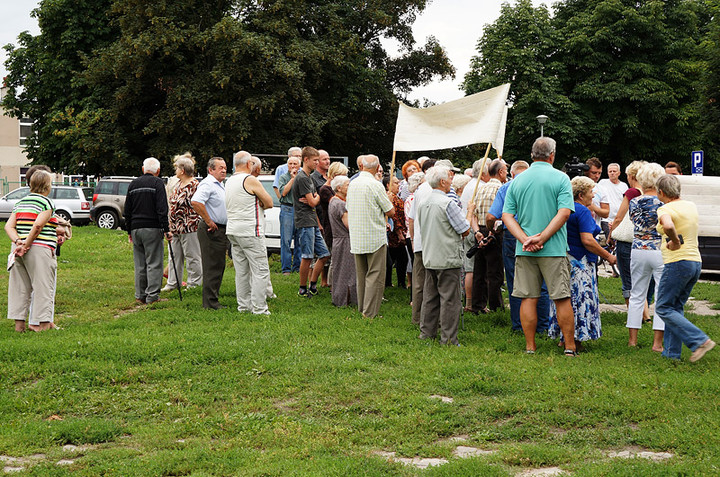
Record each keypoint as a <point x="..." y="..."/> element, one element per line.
<point x="571" y="353"/>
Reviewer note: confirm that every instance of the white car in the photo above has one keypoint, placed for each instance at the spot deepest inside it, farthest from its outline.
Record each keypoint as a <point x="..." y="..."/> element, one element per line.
<point x="272" y="216"/>
<point x="71" y="203"/>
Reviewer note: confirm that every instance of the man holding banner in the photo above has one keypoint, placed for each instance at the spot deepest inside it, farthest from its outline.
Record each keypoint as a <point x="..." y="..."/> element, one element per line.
<point x="542" y="200"/>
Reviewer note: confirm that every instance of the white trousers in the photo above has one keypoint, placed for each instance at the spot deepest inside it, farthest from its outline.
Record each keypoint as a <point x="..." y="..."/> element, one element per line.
<point x="185" y="248"/>
<point x="252" y="273"/>
<point x="644" y="264"/>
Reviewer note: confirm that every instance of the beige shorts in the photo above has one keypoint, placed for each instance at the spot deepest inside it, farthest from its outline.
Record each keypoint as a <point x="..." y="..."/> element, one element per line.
<point x="531" y="271"/>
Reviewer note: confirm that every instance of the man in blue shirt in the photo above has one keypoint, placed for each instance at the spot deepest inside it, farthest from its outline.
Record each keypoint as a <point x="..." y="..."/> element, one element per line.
<point x="209" y="202"/>
<point x="537" y="205"/>
<point x="508" y="245"/>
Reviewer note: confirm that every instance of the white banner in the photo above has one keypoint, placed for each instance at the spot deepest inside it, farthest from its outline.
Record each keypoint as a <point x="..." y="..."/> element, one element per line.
<point x="474" y="119"/>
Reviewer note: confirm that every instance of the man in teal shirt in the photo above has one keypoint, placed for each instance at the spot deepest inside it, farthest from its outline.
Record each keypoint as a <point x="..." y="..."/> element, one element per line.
<point x="541" y="198"/>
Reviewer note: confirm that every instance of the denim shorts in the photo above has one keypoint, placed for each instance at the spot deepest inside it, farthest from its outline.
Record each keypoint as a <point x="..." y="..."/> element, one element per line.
<point x="312" y="243"/>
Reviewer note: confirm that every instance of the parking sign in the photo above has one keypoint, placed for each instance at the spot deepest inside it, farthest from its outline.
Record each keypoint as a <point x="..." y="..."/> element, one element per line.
<point x="696" y="162"/>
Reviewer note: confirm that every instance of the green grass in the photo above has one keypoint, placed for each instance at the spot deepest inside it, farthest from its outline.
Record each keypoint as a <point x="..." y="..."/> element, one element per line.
<point x="173" y="389"/>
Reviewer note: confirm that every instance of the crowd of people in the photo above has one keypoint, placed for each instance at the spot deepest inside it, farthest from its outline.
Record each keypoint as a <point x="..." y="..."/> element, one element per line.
<point x="527" y="226"/>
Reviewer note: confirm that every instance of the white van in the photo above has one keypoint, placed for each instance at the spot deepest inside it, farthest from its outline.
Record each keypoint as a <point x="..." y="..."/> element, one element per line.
<point x="705" y="192"/>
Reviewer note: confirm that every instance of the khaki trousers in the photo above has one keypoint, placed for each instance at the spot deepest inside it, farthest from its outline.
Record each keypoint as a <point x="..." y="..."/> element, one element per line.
<point x="418" y="284"/>
<point x="370" y="272"/>
<point x="32" y="278"/>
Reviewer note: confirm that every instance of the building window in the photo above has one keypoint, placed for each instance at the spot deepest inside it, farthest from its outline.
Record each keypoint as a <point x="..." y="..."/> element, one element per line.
<point x="26" y="126"/>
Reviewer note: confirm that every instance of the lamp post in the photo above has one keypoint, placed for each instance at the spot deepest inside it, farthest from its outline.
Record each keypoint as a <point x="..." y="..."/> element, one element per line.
<point x="542" y="119"/>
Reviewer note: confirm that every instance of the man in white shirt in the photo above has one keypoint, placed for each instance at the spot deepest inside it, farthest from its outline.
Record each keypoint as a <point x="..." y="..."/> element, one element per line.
<point x="613" y="189"/>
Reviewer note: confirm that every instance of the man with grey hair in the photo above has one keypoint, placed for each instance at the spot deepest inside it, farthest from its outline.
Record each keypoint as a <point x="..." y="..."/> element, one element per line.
<point x="508" y="251"/>
<point x="537" y="206"/>
<point x="368" y="206"/>
<point x="209" y="202"/>
<point x="245" y="202"/>
<point x="146" y="220"/>
<point x="293" y="152"/>
<point x="613" y="189"/>
<point x="442" y="227"/>
<point x="488" y="267"/>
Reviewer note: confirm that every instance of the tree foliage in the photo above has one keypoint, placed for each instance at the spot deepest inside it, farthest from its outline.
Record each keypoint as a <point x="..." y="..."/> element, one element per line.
<point x="620" y="79"/>
<point x="216" y="76"/>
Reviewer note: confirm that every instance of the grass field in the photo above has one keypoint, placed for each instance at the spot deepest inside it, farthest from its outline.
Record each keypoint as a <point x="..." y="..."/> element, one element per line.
<point x="172" y="389"/>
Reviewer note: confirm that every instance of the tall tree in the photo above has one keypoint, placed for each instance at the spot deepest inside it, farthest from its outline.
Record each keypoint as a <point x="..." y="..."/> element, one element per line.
<point x="519" y="48"/>
<point x="44" y="78"/>
<point x="620" y="79"/>
<point x="263" y="75"/>
<point x="632" y="68"/>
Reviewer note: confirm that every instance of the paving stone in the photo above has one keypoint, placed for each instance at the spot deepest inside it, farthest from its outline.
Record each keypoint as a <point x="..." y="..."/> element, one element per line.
<point x="442" y="398"/>
<point x="464" y="452"/>
<point x="9" y="469"/>
<point x="65" y="462"/>
<point x="542" y="472"/>
<point x="633" y="453"/>
<point x="421" y="462"/>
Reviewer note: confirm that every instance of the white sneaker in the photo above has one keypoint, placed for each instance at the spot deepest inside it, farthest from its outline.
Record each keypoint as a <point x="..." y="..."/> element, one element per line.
<point x="266" y="312"/>
<point x="167" y="288"/>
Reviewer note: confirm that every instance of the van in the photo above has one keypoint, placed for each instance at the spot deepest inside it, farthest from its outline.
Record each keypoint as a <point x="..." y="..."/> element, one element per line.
<point x="704" y="191"/>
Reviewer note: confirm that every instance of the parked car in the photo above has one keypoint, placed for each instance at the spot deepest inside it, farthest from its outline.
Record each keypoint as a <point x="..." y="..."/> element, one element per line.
<point x="71" y="203"/>
<point x="272" y="216"/>
<point x="109" y="201"/>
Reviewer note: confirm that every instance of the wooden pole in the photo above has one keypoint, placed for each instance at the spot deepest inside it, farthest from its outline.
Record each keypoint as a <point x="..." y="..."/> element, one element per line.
<point x="482" y="168"/>
<point x="392" y="165"/>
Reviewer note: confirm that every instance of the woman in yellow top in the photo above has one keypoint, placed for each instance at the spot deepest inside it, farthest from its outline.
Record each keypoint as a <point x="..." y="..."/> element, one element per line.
<point x="678" y="223"/>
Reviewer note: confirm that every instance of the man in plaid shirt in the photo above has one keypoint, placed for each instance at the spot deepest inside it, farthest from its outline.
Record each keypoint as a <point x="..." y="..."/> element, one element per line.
<point x="488" y="269"/>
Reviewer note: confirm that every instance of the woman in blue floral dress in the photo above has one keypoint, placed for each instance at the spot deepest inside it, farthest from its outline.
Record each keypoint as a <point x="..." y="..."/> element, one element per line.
<point x="584" y="251"/>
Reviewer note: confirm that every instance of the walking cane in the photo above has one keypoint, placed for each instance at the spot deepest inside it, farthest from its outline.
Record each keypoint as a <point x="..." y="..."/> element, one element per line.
<point x="177" y="278"/>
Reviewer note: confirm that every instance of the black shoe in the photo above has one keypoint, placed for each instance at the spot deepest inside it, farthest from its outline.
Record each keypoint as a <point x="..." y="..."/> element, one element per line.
<point x="312" y="291"/>
<point x="304" y="294"/>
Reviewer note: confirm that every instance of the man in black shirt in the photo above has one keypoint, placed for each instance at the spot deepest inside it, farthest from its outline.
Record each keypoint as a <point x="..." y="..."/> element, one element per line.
<point x="146" y="220"/>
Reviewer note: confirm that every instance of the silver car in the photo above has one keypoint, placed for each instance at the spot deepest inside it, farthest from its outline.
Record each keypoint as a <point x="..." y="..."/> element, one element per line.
<point x="71" y="203"/>
<point x="272" y="216"/>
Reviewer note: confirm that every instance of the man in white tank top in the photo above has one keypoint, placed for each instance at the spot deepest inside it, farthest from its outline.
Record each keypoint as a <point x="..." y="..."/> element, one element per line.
<point x="245" y="200"/>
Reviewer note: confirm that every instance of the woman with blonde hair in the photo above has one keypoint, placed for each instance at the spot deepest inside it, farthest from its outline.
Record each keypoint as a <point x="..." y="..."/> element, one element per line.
<point x="621" y="231"/>
<point x="326" y="193"/>
<point x="584" y="251"/>
<point x="646" y="260"/>
<point x="33" y="231"/>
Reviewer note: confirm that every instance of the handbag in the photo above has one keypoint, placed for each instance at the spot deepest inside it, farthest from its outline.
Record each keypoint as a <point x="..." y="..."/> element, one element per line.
<point x="625" y="231"/>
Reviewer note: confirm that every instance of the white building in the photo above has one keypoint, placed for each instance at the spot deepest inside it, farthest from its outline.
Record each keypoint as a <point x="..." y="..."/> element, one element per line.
<point x="13" y="160"/>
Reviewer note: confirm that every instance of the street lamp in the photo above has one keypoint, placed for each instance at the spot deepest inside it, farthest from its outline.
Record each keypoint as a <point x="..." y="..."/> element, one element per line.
<point x="542" y="119"/>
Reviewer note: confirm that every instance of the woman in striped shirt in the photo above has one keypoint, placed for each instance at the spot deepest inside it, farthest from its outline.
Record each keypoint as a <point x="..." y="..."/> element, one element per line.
<point x="33" y="230"/>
